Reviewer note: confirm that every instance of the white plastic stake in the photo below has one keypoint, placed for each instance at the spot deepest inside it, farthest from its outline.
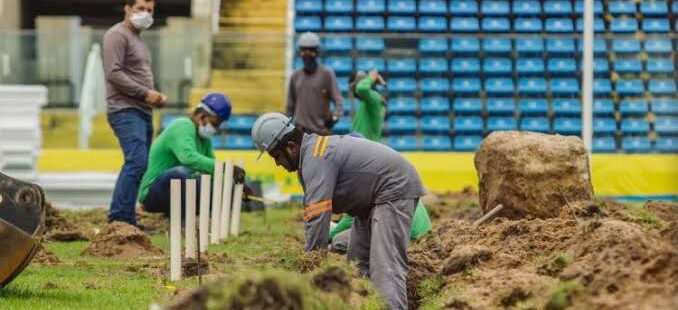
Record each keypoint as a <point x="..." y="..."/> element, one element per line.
<point x="205" y="181"/>
<point x="190" y="219"/>
<point x="216" y="202"/>
<point x="175" y="230"/>
<point x="237" y="203"/>
<point x="226" y="196"/>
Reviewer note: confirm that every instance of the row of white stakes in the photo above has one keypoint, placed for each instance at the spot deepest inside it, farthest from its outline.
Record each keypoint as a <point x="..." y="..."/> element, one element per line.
<point x="225" y="214"/>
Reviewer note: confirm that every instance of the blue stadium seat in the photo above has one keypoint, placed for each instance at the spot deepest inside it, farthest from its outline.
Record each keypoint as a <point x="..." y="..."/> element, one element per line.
<point x="465" y="45"/>
<point x="602" y="87"/>
<point x="667" y="144"/>
<point x="665" y="106"/>
<point x="628" y="66"/>
<point x="526" y="8"/>
<point x="636" y="144"/>
<point x="500" y="106"/>
<point x="557" y="8"/>
<point x="621" y="7"/>
<point x="662" y="87"/>
<point x="435" y="105"/>
<point x="432" y="7"/>
<point x="597" y="7"/>
<point x="630" y="87"/>
<point x="402" y="85"/>
<point x="351" y="106"/>
<point x="658" y="46"/>
<point x="567" y="126"/>
<point x="600" y="66"/>
<point x="339" y="64"/>
<point x="239" y="142"/>
<point x="343" y="84"/>
<point x="343" y="126"/>
<point x="308" y="6"/>
<point x="559" y="66"/>
<point x="307" y="23"/>
<point x="463" y="8"/>
<point x="402" y="105"/>
<point x="466" y="86"/>
<point x="529" y="46"/>
<point x="464" y="24"/>
<point x="402" y="7"/>
<point x="435" y="124"/>
<point x="634" y="126"/>
<point x="467" y="143"/>
<point x="603" y="107"/>
<point x="397" y="66"/>
<point x="532" y="86"/>
<point x="432" y="24"/>
<point x="337" y="44"/>
<point x="436" y="143"/>
<point x="530" y="66"/>
<point x="533" y="106"/>
<point x="433" y="65"/>
<point x="466" y="106"/>
<point x="501" y="25"/>
<point x="564" y="87"/>
<point x="167" y="119"/>
<point x="560" y="46"/>
<point x="468" y="124"/>
<point x="604" y="126"/>
<point x="402" y="124"/>
<point x="538" y="124"/>
<point x="566" y="107"/>
<point x="495" y="8"/>
<point x="599" y="46"/>
<point x="501" y="123"/>
<point x="338" y="23"/>
<point x="497" y="66"/>
<point x="401" y="24"/>
<point x="369" y="24"/>
<point x="434" y="85"/>
<point x="496" y="45"/>
<point x="433" y="45"/>
<point x="370" y="6"/>
<point x="626" y="46"/>
<point x="674" y="7"/>
<point x="527" y="25"/>
<point x="598" y="25"/>
<point x="634" y="107"/>
<point x="499" y="86"/>
<point x="604" y="145"/>
<point x="465" y="66"/>
<point x="240" y="123"/>
<point x="338" y="6"/>
<point x="657" y="25"/>
<point x="218" y="142"/>
<point x="559" y="25"/>
<point x="370" y="63"/>
<point x="660" y="65"/>
<point x="402" y="143"/>
<point x="624" y="25"/>
<point x="372" y="45"/>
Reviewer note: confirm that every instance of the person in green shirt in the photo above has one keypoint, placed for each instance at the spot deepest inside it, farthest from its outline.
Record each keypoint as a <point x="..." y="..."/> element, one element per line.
<point x="369" y="120"/>
<point x="184" y="150"/>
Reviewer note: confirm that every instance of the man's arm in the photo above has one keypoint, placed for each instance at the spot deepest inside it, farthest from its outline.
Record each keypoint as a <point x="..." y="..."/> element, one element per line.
<point x="183" y="146"/>
<point x="335" y="94"/>
<point x="319" y="177"/>
<point x="113" y="51"/>
<point x="366" y="93"/>
<point x="291" y="98"/>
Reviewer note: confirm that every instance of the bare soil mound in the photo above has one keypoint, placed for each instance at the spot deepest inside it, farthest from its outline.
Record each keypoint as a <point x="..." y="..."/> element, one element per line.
<point x="121" y="240"/>
<point x="191" y="268"/>
<point x="334" y="279"/>
<point x="667" y="211"/>
<point x="58" y="228"/>
<point x="45" y="257"/>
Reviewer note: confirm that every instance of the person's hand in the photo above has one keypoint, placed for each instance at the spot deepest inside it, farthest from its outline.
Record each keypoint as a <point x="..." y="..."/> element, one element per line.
<point x="153" y="97"/>
<point x="374" y="74"/>
<point x="162" y="102"/>
<point x="247" y="192"/>
<point x="238" y="175"/>
<point x="329" y="123"/>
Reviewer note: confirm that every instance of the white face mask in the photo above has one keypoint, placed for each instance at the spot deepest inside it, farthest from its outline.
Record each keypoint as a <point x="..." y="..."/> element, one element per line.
<point x="206" y="131"/>
<point x="141" y="20"/>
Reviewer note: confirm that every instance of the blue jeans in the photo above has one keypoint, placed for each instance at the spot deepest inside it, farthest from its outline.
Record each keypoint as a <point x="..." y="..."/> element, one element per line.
<point x="134" y="130"/>
<point x="158" y="198"/>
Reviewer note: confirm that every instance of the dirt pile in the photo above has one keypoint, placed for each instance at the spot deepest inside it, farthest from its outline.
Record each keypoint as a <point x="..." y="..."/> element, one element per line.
<point x="666" y="211"/>
<point x="191" y="268"/>
<point x="533" y="175"/>
<point x="121" y="240"/>
<point x="58" y="228"/>
<point x="45" y="257"/>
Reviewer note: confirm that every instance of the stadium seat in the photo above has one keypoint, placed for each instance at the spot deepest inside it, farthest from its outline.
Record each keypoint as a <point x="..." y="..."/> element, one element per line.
<point x="343" y="126"/>
<point x="465" y="45"/>
<point x="398" y="66"/>
<point x="529" y="46"/>
<point x="402" y="124"/>
<point x="602" y="87"/>
<point x="567" y="126"/>
<point x="402" y="85"/>
<point x="337" y="44"/>
<point x="634" y="126"/>
<point x="433" y="45"/>
<point x="636" y="144"/>
<point x="604" y="126"/>
<point x="463" y="8"/>
<point x="533" y="107"/>
<point x="537" y="124"/>
<point x="308" y="6"/>
<point x="656" y="25"/>
<point x="598" y="25"/>
<point x="499" y="86"/>
<point x="530" y="66"/>
<point x="564" y="87"/>
<point x="599" y="46"/>
<point x="338" y="6"/>
<point x="624" y="25"/>
<point x="660" y="65"/>
<point x="351" y="106"/>
<point x="401" y="24"/>
<point x="402" y="106"/>
<point x="432" y="24"/>
<point x="667" y="144"/>
<point x="343" y="84"/>
<point x="566" y="107"/>
<point x="501" y="123"/>
<point x="464" y="24"/>
<point x="435" y="105"/>
<point x="465" y="66"/>
<point x="307" y="23"/>
<point x="633" y="107"/>
<point x="466" y="86"/>
<point x="402" y="143"/>
<point x="218" y="142"/>
<point x="500" y="106"/>
<point x="497" y="66"/>
<point x="662" y="87"/>
<point x="603" y="107"/>
<point x="370" y="6"/>
<point x="239" y="142"/>
<point x="560" y="46"/>
<point x="622" y="7"/>
<point x="559" y="25"/>
<point x="557" y="8"/>
<point x="527" y="25"/>
<point x="674" y="7"/>
<point x="597" y="7"/>
<point x="436" y="143"/>
<point x="467" y="143"/>
<point x="560" y="66"/>
<point x="338" y="23"/>
<point x="372" y="45"/>
<point x="340" y="65"/>
<point x="497" y="46"/>
<point x="526" y="8"/>
<point x="468" y="124"/>
<point x="432" y="7"/>
<point x="168" y="118"/>
<point x="658" y="46"/>
<point x="466" y="106"/>
<point x="370" y="63"/>
<point x="630" y="87"/>
<point x="626" y="46"/>
<point x="628" y="66"/>
<point x="240" y="123"/>
<point x="495" y="8"/>
<point x="501" y="25"/>
<point x="433" y="65"/>
<point x="369" y="24"/>
<point x="600" y="66"/>
<point x="434" y="85"/>
<point x="435" y="124"/>
<point x="604" y="145"/>
<point x="402" y="7"/>
<point x="665" y="106"/>
<point x="532" y="86"/>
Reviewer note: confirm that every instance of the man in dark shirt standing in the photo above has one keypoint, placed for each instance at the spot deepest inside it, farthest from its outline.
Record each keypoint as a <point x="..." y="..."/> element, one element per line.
<point x="131" y="98"/>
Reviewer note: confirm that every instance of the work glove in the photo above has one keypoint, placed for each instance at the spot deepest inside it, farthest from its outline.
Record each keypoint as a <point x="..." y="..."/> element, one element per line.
<point x="238" y="174"/>
<point x="246" y="193"/>
<point x="329" y="123"/>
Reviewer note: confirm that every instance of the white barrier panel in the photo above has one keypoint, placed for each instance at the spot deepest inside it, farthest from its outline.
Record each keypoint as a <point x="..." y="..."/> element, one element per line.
<point x="227" y="194"/>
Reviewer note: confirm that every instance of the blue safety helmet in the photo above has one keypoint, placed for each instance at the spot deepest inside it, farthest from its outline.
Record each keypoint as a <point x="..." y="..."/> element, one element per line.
<point x="216" y="104"/>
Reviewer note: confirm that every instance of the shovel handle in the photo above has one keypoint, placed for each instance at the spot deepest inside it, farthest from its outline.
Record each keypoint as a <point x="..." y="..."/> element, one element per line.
<point x="488" y="215"/>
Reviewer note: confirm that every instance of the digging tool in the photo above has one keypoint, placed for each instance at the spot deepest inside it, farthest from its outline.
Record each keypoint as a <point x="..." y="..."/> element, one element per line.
<point x="487" y="216"/>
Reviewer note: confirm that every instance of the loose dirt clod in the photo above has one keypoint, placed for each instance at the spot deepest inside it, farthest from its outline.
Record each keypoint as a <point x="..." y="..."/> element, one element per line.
<point x="334" y="279"/>
<point x="465" y="258"/>
<point x="58" y="228"/>
<point x="121" y="240"/>
<point x="667" y="211"/>
<point x="191" y="268"/>
<point x="45" y="257"/>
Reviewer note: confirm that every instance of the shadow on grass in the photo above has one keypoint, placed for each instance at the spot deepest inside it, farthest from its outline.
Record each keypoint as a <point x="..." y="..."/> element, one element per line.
<point x="21" y="293"/>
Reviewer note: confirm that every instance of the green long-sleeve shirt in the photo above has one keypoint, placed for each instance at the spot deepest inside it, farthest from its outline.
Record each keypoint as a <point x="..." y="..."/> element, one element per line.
<point x="369" y="120"/>
<point x="178" y="145"/>
<point x="421" y="223"/>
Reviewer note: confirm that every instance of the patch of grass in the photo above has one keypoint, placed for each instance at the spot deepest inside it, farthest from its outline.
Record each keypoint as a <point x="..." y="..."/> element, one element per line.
<point x="555" y="266"/>
<point x="560" y="297"/>
<point x="437" y="298"/>
<point x="638" y="214"/>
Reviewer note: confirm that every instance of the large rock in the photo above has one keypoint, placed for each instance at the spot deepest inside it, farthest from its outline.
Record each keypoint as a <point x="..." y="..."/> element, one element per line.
<point x="533" y="175"/>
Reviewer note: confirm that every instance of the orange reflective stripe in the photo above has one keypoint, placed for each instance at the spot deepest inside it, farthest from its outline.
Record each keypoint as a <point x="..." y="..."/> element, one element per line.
<point x="324" y="146"/>
<point x="317" y="146"/>
<point x="317" y="212"/>
<point x="318" y="204"/>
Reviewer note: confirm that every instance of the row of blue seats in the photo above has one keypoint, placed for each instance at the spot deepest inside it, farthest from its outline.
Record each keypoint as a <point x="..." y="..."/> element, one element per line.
<point x="472" y="24"/>
<point x="489" y="8"/>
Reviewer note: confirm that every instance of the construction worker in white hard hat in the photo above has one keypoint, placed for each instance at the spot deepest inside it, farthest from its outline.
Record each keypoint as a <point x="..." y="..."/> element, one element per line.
<point x="345" y="174"/>
<point x="311" y="89"/>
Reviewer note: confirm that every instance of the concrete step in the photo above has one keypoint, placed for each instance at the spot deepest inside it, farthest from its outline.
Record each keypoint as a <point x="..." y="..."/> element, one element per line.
<point x="248" y="100"/>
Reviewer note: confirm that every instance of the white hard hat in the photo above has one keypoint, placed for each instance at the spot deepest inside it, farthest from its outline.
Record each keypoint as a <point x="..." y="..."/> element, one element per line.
<point x="269" y="129"/>
<point x="308" y="40"/>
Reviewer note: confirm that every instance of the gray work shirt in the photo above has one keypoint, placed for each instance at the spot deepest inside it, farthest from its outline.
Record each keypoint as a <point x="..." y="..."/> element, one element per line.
<point x="344" y="174"/>
<point x="309" y="96"/>
<point x="127" y="67"/>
